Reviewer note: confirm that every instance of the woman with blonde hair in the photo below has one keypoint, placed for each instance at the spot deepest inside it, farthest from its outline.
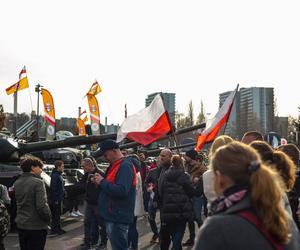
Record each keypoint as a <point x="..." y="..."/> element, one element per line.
<point x="208" y="176"/>
<point x="248" y="213"/>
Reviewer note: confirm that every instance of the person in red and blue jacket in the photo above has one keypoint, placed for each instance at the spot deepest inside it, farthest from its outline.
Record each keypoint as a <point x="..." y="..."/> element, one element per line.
<point x="117" y="198"/>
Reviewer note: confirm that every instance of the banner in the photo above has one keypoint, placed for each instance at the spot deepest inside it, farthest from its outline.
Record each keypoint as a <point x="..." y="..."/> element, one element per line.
<point x="21" y="84"/>
<point x="49" y="114"/>
<point x="85" y="119"/>
<point x="81" y="127"/>
<point x="147" y="125"/>
<point x="214" y="125"/>
<point x="95" y="89"/>
<point x="94" y="114"/>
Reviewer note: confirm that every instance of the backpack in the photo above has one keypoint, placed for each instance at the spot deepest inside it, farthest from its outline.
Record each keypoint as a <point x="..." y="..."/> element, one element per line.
<point x="4" y="220"/>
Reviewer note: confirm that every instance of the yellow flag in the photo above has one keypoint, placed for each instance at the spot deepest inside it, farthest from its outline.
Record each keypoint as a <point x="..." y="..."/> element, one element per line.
<point x="21" y="84"/>
<point x="94" y="114"/>
<point x="85" y="119"/>
<point x="95" y="89"/>
<point x="49" y="113"/>
<point x="81" y="127"/>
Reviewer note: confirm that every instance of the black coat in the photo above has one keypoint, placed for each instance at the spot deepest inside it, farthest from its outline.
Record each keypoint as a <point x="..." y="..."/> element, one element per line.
<point x="85" y="185"/>
<point x="177" y="191"/>
<point x="152" y="177"/>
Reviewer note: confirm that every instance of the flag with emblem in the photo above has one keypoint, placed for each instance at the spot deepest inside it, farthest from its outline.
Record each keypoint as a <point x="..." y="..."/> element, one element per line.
<point x="49" y="114"/>
<point x="21" y="84"/>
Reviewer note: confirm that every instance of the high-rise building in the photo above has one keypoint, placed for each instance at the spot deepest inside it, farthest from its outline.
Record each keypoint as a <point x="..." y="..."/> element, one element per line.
<point x="253" y="109"/>
<point x="169" y="99"/>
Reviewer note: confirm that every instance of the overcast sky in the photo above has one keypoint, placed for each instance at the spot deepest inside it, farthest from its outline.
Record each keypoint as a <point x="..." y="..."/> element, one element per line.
<point x="196" y="49"/>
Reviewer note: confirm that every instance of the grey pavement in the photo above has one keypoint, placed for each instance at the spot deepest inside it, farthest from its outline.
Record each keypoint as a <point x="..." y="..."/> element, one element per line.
<point x="74" y="236"/>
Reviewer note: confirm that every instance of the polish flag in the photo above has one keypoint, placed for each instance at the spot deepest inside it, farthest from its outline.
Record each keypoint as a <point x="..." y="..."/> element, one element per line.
<point x="214" y="125"/>
<point x="147" y="125"/>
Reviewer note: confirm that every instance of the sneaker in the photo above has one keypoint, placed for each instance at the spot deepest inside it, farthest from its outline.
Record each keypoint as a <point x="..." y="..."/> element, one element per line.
<point x="73" y="214"/>
<point x="154" y="238"/>
<point x="57" y="232"/>
<point x="188" y="243"/>
<point x="84" y="246"/>
<point x="78" y="213"/>
<point x="102" y="246"/>
<point x="61" y="231"/>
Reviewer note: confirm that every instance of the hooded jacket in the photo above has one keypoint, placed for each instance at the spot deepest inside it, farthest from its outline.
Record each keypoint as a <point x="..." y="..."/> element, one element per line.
<point x="177" y="191"/>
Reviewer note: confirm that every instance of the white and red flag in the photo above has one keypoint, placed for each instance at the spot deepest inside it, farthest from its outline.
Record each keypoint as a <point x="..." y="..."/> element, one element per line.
<point x="147" y="125"/>
<point x="214" y="125"/>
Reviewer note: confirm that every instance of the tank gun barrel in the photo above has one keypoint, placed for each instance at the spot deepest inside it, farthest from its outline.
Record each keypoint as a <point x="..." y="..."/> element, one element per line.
<point x="91" y="139"/>
<point x="178" y="132"/>
<point x="67" y="142"/>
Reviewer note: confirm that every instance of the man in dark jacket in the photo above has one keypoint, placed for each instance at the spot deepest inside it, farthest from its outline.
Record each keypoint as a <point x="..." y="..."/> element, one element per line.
<point x="57" y="196"/>
<point x="33" y="213"/>
<point x="117" y="198"/>
<point x="151" y="186"/>
<point x="92" y="219"/>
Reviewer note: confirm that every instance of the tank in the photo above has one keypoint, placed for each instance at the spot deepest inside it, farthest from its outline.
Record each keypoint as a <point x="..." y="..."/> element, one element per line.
<point x="11" y="150"/>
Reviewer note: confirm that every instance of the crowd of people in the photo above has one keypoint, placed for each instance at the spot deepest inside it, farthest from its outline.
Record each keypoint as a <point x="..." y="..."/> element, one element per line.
<point x="247" y="197"/>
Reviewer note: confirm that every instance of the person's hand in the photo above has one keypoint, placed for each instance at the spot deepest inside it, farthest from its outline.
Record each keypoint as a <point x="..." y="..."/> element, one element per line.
<point x="97" y="178"/>
<point x="150" y="187"/>
<point x="155" y="204"/>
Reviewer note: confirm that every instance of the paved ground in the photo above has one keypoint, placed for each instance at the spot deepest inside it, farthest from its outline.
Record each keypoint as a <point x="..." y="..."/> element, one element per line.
<point x="73" y="238"/>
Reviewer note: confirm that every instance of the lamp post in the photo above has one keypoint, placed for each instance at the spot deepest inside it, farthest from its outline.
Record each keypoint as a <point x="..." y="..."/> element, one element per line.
<point x="38" y="90"/>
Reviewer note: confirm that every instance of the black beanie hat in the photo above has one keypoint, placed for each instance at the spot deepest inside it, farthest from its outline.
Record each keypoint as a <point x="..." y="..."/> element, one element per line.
<point x="193" y="154"/>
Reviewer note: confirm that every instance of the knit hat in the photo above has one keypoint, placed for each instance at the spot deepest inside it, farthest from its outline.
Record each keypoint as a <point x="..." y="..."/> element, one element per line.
<point x="193" y="154"/>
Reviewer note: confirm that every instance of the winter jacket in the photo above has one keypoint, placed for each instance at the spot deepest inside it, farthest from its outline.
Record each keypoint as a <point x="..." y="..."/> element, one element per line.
<point x="152" y="177"/>
<point x="117" y="199"/>
<point x="56" y="186"/>
<point x="228" y="231"/>
<point x="177" y="191"/>
<point x="85" y="185"/>
<point x="33" y="212"/>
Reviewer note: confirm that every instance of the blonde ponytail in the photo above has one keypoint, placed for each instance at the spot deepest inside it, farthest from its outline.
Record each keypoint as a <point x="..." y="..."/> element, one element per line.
<point x="266" y="199"/>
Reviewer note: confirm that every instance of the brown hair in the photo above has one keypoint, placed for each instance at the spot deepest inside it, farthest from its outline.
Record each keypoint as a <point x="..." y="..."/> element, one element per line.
<point x="58" y="163"/>
<point x="292" y="151"/>
<point x="177" y="161"/>
<point x="27" y="161"/>
<point x="279" y="161"/>
<point x="233" y="160"/>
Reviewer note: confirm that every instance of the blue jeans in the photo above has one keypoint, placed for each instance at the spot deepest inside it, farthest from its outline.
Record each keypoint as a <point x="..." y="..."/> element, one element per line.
<point x="118" y="235"/>
<point x="133" y="235"/>
<point x="171" y="231"/>
<point x="197" y="205"/>
<point x="151" y="216"/>
<point x="177" y="235"/>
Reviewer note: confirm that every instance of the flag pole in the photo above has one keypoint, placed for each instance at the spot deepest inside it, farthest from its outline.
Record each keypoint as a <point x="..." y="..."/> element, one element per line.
<point x="172" y="129"/>
<point x="237" y="87"/>
<point x="38" y="90"/>
<point x="15" y="113"/>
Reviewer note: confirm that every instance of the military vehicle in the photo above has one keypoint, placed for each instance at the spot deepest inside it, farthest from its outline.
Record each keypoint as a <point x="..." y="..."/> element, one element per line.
<point x="11" y="150"/>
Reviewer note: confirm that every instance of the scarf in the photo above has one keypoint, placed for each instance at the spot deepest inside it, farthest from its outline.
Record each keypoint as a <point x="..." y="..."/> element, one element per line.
<point x="231" y="196"/>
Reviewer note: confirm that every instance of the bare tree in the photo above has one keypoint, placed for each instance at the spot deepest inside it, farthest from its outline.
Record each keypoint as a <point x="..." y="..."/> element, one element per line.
<point x="2" y="117"/>
<point x="201" y="117"/>
<point x="190" y="116"/>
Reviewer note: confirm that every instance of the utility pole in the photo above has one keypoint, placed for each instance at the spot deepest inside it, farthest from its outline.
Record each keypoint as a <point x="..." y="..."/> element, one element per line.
<point x="38" y="90"/>
<point x="79" y="111"/>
